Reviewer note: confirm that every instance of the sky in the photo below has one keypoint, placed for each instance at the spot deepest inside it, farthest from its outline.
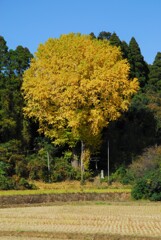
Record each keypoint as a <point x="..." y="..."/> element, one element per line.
<point x="31" y="22"/>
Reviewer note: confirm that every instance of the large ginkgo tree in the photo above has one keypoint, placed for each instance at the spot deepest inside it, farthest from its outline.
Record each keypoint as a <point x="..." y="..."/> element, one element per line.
<point x="75" y="86"/>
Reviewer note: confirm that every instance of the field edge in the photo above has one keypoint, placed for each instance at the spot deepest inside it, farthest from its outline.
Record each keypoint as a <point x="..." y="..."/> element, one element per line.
<point x="66" y="236"/>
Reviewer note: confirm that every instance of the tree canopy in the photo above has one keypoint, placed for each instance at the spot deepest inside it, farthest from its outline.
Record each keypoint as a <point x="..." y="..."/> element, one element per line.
<point x="75" y="86"/>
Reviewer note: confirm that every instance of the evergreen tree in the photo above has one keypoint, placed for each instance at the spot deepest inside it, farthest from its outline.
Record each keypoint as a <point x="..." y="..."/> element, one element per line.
<point x="104" y="35"/>
<point x="153" y="91"/>
<point x="19" y="61"/>
<point x="154" y="83"/>
<point x="92" y="35"/>
<point x="13" y="64"/>
<point x="125" y="49"/>
<point x="114" y="40"/>
<point x="139" y="67"/>
<point x="3" y="55"/>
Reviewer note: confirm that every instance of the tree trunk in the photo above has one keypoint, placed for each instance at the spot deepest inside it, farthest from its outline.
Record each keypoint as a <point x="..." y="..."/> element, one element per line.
<point x="85" y="159"/>
<point x="75" y="158"/>
<point x="82" y="161"/>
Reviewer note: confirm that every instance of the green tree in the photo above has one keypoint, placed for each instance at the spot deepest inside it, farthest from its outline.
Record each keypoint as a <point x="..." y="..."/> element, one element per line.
<point x="18" y="61"/>
<point x="104" y="35"/>
<point x="139" y="67"/>
<point x="125" y="49"/>
<point x="3" y="55"/>
<point x="75" y="87"/>
<point x="153" y="92"/>
<point x="92" y="35"/>
<point x="11" y="101"/>
<point x="154" y="83"/>
<point x="115" y="41"/>
<point x="6" y="123"/>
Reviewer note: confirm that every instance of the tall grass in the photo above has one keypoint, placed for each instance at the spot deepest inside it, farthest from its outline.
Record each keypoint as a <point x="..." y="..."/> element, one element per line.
<point x="68" y="187"/>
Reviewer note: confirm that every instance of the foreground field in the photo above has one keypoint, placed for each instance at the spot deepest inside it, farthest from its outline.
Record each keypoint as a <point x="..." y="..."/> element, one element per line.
<point x="82" y="221"/>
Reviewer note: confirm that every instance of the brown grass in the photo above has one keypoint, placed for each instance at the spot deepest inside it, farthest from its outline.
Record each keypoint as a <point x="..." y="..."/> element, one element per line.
<point x="82" y="221"/>
<point x="69" y="187"/>
<point x="75" y="185"/>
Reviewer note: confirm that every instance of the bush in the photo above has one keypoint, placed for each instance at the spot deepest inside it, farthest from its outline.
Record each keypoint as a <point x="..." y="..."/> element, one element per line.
<point x="21" y="183"/>
<point x="122" y="175"/>
<point x="37" y="167"/>
<point x="62" y="170"/>
<point x="6" y="183"/>
<point x="148" y="187"/>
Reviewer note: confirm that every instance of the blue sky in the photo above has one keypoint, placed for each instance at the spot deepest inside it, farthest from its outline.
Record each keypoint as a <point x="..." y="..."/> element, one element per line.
<point x="31" y="22"/>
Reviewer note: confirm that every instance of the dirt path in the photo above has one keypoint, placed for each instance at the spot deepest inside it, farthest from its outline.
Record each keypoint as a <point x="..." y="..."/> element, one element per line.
<point x="81" y="222"/>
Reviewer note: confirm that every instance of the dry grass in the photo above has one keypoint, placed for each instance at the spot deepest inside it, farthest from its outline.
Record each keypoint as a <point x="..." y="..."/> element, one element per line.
<point x="108" y="221"/>
<point x="69" y="187"/>
<point x="96" y="184"/>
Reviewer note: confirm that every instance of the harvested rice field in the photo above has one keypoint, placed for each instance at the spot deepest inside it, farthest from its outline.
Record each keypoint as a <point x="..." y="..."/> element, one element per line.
<point x="88" y="221"/>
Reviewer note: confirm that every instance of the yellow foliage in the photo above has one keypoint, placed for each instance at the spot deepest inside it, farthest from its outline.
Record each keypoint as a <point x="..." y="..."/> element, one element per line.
<point x="75" y="86"/>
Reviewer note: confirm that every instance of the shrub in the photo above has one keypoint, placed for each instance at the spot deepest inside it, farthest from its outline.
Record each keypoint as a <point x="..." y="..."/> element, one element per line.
<point x="11" y="156"/>
<point x="37" y="167"/>
<point x="24" y="184"/>
<point x="6" y="183"/>
<point x="148" y="161"/>
<point x="62" y="170"/>
<point x="148" y="187"/>
<point x="122" y="175"/>
<point x="139" y="189"/>
<point x="21" y="183"/>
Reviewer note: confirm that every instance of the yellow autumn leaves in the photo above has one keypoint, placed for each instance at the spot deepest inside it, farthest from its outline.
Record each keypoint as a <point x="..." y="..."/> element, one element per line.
<point x="75" y="86"/>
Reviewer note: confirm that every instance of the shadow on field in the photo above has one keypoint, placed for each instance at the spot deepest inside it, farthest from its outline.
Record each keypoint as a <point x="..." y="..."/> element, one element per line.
<point x="66" y="236"/>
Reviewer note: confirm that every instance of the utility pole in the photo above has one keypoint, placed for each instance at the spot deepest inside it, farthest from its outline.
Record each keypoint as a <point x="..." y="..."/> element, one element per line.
<point x="48" y="162"/>
<point x="82" y="163"/>
<point x="108" y="161"/>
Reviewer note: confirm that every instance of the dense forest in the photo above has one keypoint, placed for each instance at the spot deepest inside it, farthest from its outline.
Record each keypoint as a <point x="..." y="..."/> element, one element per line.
<point x="25" y="154"/>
